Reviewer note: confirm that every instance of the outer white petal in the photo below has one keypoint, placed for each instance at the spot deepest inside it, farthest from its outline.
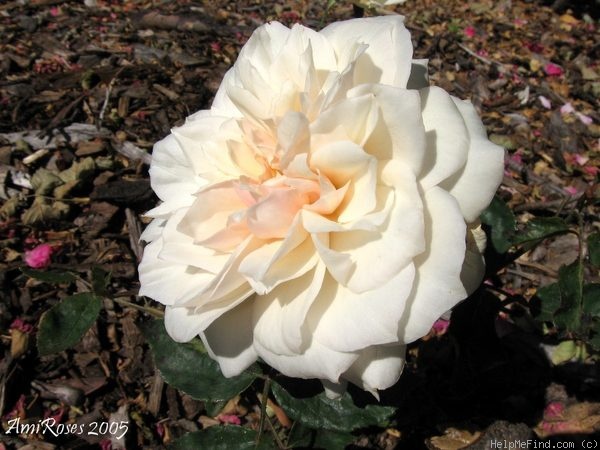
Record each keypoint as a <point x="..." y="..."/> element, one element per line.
<point x="386" y="60"/>
<point x="345" y="321"/>
<point x="153" y="231"/>
<point x="171" y="175"/>
<point x="351" y="119"/>
<point x="279" y="316"/>
<point x="261" y="49"/>
<point x="447" y="139"/>
<point x="399" y="132"/>
<point x="222" y="104"/>
<point x="292" y="62"/>
<point x="377" y="367"/>
<point x="167" y="282"/>
<point x="228" y="339"/>
<point x="204" y="141"/>
<point x="317" y="361"/>
<point x="475" y="185"/>
<point x="182" y="324"/>
<point x="180" y="248"/>
<point x="437" y="284"/>
<point x="473" y="268"/>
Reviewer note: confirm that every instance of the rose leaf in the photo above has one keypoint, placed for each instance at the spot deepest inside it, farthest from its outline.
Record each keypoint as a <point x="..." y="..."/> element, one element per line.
<point x="591" y="300"/>
<point x="502" y="221"/>
<point x="63" y="325"/>
<point x="49" y="276"/>
<point x="224" y="437"/>
<point x="570" y="283"/>
<point x="340" y="414"/>
<point x="540" y="228"/>
<point x="188" y="368"/>
<point x="304" y="437"/>
<point x="594" y="249"/>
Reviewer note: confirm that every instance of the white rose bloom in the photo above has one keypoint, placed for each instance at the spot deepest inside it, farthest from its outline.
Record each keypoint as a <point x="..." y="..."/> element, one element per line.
<point x="323" y="213"/>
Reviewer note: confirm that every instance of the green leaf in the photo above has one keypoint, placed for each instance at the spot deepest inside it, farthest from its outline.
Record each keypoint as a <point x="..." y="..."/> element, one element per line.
<point x="594" y="342"/>
<point x="189" y="368"/>
<point x="570" y="283"/>
<point x="591" y="299"/>
<point x="594" y="249"/>
<point x="540" y="228"/>
<point x="221" y="438"/>
<point x="549" y="297"/>
<point x="63" y="325"/>
<point x="338" y="415"/>
<point x="304" y="437"/>
<point x="502" y="221"/>
<point x="214" y="408"/>
<point x="49" y="276"/>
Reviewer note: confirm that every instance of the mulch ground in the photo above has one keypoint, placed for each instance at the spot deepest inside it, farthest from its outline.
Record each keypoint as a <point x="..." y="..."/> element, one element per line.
<point x="92" y="85"/>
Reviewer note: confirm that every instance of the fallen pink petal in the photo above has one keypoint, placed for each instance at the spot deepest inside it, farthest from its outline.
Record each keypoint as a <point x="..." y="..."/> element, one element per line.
<point x="567" y="108"/>
<point x="554" y="411"/>
<point x="572" y="190"/>
<point x="546" y="103"/>
<point x="469" y="31"/>
<point x="553" y="70"/>
<point x="39" y="257"/>
<point x="580" y="159"/>
<point x="587" y="120"/>
<point x="231" y="419"/>
<point x="21" y="325"/>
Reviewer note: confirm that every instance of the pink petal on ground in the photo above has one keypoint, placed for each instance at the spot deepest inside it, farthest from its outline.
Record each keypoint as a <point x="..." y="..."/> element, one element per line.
<point x="469" y="31"/>
<point x="39" y="257"/>
<point x="584" y="119"/>
<point x="231" y="419"/>
<point x="580" y="159"/>
<point x="553" y="70"/>
<point x="546" y="103"/>
<point x="571" y="190"/>
<point x="567" y="108"/>
<point x="21" y="325"/>
<point x="554" y="410"/>
<point x="591" y="170"/>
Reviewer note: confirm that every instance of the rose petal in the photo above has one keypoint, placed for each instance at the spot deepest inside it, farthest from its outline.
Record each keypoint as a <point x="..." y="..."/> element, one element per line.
<point x="399" y="132"/>
<point x="475" y="185"/>
<point x="377" y="367"/>
<point x="279" y="261"/>
<point x="386" y="60"/>
<point x="154" y="271"/>
<point x="447" y="139"/>
<point x="372" y="316"/>
<point x="228" y="340"/>
<point x="279" y="316"/>
<point x="171" y="175"/>
<point x="350" y="255"/>
<point x="437" y="285"/>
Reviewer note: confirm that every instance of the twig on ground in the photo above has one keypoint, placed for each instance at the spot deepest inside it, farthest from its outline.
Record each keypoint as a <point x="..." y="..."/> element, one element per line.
<point x="135" y="230"/>
<point x="109" y="89"/>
